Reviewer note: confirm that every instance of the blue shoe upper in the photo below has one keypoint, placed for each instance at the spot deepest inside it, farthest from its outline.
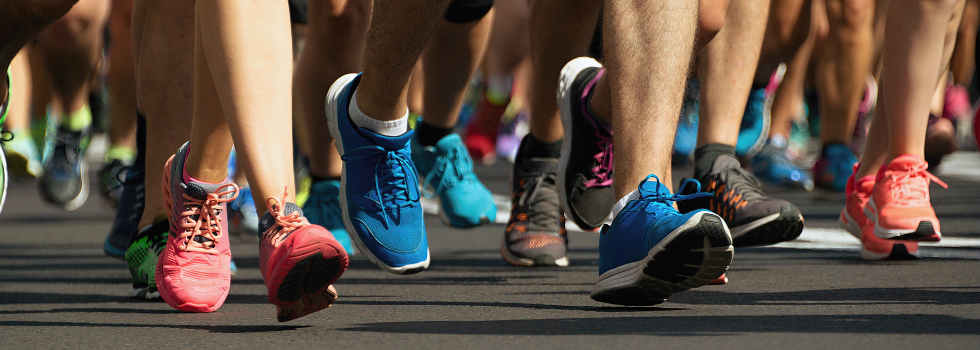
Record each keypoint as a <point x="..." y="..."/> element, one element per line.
<point x="448" y="173"/>
<point x="643" y="223"/>
<point x="773" y="166"/>
<point x="382" y="195"/>
<point x="835" y="165"/>
<point x="323" y="208"/>
<point x="755" y="126"/>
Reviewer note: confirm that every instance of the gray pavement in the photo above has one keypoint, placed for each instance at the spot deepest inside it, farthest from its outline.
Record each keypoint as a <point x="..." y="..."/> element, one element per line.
<point x="58" y="290"/>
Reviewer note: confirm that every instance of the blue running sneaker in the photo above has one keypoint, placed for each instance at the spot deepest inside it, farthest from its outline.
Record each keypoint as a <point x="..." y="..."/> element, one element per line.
<point x="754" y="131"/>
<point x="772" y="165"/>
<point x="241" y="212"/>
<point x="448" y="171"/>
<point x="686" y="138"/>
<point x="380" y="202"/>
<point x="652" y="251"/>
<point x="323" y="208"/>
<point x="833" y="167"/>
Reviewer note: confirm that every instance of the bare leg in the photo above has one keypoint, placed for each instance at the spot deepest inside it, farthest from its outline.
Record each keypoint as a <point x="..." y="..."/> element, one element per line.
<point x="70" y="50"/>
<point x="648" y="82"/>
<point x="121" y="76"/>
<point x="19" y="107"/>
<point x="450" y="61"/>
<point x="787" y="22"/>
<point x="844" y="63"/>
<point x="962" y="60"/>
<point x="22" y="21"/>
<point x="162" y="39"/>
<point x="334" y="47"/>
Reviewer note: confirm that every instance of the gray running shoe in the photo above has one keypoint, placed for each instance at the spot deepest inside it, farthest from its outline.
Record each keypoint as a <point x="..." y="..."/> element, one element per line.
<point x="585" y="176"/>
<point x="65" y="178"/>
<point x="535" y="233"/>
<point x="752" y="217"/>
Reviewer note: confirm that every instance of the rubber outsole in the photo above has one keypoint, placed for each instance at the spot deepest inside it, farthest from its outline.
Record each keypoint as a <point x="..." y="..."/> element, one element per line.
<point x="690" y="258"/>
<point x="786" y="226"/>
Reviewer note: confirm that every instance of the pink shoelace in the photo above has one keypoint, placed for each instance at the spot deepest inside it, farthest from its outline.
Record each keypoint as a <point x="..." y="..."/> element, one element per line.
<point x="604" y="159"/>
<point x="284" y="223"/>
<point x="913" y="184"/>
<point x="208" y="223"/>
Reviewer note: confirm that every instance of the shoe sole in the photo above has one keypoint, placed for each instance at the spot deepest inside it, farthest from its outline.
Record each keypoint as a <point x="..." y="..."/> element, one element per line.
<point x="924" y="232"/>
<point x="540" y="260"/>
<point x="775" y="228"/>
<point x="692" y="256"/>
<point x="79" y="200"/>
<point x="564" y="107"/>
<point x="301" y="283"/>
<point x="898" y="251"/>
<point x="334" y="95"/>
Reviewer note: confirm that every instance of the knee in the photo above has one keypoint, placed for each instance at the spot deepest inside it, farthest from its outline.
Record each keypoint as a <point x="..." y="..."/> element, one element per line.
<point x="339" y="17"/>
<point x="854" y="14"/>
<point x="711" y="17"/>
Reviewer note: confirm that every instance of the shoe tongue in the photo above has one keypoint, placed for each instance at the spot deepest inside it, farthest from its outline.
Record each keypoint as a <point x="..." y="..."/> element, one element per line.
<point x="268" y="221"/>
<point x="725" y="161"/>
<point x="449" y="142"/>
<point x="388" y="142"/>
<point x="200" y="190"/>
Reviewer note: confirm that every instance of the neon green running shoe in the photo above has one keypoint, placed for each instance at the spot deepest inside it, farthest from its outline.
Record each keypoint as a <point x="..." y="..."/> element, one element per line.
<point x="142" y="259"/>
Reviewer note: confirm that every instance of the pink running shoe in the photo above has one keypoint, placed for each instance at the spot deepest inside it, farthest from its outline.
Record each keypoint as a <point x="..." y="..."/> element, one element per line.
<point x="299" y="261"/>
<point x="194" y="270"/>
<point x="853" y="220"/>
<point x="899" y="206"/>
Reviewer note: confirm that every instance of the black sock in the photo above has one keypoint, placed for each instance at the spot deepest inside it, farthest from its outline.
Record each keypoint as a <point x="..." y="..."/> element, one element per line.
<point x="704" y="157"/>
<point x="140" y="138"/>
<point x="428" y="135"/>
<point x="532" y="148"/>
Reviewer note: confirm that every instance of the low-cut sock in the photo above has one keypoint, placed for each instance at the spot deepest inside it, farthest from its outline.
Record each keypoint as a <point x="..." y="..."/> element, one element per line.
<point x="429" y="135"/>
<point x="315" y="179"/>
<point x="78" y="120"/>
<point x="533" y="148"/>
<point x="704" y="157"/>
<point x="391" y="128"/>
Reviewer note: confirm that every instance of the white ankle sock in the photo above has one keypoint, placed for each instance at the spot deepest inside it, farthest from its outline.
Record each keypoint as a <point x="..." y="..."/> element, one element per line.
<point x="392" y="128"/>
<point x="623" y="201"/>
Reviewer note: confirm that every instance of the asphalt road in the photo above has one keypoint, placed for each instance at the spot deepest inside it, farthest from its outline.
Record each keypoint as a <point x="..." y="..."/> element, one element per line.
<point x="58" y="290"/>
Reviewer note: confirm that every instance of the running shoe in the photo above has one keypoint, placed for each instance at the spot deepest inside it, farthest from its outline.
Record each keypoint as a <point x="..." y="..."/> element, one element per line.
<point x="65" y="178"/>
<point x="43" y="130"/>
<point x="651" y="251"/>
<point x="736" y="196"/>
<point x="535" y="233"/>
<point x="111" y="178"/>
<point x="299" y="261"/>
<point x="686" y="138"/>
<point x="244" y="218"/>
<point x="323" y="208"/>
<point x="448" y="174"/>
<point x="193" y="272"/>
<point x="380" y="200"/>
<point x="3" y="172"/>
<point x="22" y="156"/>
<point x="585" y="176"/>
<point x="128" y="214"/>
<point x="940" y="140"/>
<point x="773" y="166"/>
<point x="141" y="257"/>
<point x="957" y="108"/>
<point x="864" y="114"/>
<point x="853" y="220"/>
<point x="480" y="136"/>
<point x="754" y="131"/>
<point x="514" y="125"/>
<point x="833" y="167"/>
<point x="899" y="205"/>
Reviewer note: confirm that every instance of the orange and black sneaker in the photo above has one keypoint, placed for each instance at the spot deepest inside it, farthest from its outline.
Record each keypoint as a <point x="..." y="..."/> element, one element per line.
<point x="752" y="217"/>
<point x="535" y="234"/>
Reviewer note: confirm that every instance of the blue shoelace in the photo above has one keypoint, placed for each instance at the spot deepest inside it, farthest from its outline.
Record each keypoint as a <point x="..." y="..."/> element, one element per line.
<point x="448" y="165"/>
<point x="392" y="184"/>
<point x="650" y="193"/>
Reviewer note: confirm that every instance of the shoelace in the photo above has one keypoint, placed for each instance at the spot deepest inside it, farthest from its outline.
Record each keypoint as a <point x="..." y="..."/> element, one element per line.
<point x="208" y="222"/>
<point x="285" y="224"/>
<point x="6" y="136"/>
<point x="741" y="182"/>
<point x="909" y="189"/>
<point x="603" y="170"/>
<point x="650" y="193"/>
<point x="392" y="185"/>
<point x="542" y="212"/>
<point x="448" y="165"/>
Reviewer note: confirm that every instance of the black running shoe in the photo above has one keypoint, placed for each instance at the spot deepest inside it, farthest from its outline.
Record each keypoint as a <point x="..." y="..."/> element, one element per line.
<point x="585" y="177"/>
<point x="111" y="179"/>
<point x="65" y="178"/>
<point x="535" y="233"/>
<point x="128" y="214"/>
<point x="752" y="217"/>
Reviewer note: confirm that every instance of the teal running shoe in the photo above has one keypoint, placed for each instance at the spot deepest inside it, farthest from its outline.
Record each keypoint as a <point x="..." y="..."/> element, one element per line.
<point x="686" y="138"/>
<point x="448" y="174"/>
<point x="379" y="192"/>
<point x="651" y="251"/>
<point x="754" y="131"/>
<point x="241" y="212"/>
<point x="323" y="208"/>
<point x="833" y="167"/>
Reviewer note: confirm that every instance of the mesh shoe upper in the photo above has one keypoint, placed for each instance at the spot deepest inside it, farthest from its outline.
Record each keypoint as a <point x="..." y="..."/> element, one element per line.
<point x="64" y="181"/>
<point x="901" y="202"/>
<point x="833" y="167"/>
<point x="323" y="208"/>
<point x="535" y="233"/>
<point x="448" y="173"/>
